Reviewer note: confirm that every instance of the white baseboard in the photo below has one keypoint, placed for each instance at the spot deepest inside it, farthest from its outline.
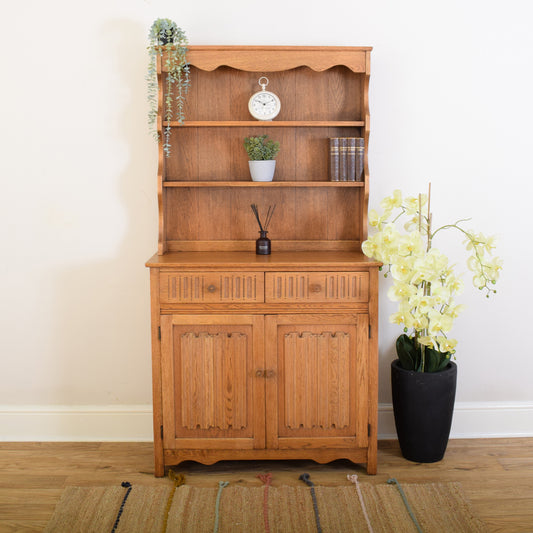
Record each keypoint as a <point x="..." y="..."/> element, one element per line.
<point x="133" y="423"/>
<point x="94" y="423"/>
<point x="475" y="420"/>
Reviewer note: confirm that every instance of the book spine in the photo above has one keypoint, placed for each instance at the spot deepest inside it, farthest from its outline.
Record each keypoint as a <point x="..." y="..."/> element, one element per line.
<point x="334" y="159"/>
<point x="342" y="159"/>
<point x="359" y="158"/>
<point x="350" y="158"/>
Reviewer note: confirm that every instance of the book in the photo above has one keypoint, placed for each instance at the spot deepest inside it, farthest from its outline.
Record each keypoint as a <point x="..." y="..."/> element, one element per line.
<point x="359" y="159"/>
<point x="334" y="156"/>
<point x="347" y="155"/>
<point x="350" y="158"/>
<point x="343" y="163"/>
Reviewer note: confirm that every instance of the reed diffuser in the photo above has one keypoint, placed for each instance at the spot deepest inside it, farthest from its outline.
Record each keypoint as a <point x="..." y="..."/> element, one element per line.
<point x="262" y="245"/>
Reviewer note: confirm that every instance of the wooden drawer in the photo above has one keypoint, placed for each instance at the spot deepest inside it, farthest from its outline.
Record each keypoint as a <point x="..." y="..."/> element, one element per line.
<point x="211" y="287"/>
<point x="327" y="287"/>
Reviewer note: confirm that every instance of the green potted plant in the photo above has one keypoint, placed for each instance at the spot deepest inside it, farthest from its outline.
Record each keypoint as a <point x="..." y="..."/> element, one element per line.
<point x="262" y="153"/>
<point x="167" y="40"/>
<point x="425" y="285"/>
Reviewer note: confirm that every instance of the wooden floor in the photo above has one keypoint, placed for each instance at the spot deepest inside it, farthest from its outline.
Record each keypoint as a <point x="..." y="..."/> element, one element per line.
<point x="496" y="475"/>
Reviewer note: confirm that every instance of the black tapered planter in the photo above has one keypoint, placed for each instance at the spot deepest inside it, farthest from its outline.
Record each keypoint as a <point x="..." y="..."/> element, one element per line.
<point x="423" y="410"/>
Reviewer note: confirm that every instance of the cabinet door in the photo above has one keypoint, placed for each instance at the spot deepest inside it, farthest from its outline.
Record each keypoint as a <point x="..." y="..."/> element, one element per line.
<point x="318" y="396"/>
<point x="212" y="395"/>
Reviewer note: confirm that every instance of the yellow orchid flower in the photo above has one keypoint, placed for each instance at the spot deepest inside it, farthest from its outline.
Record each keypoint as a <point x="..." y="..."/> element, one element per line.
<point x="392" y="202"/>
<point x="370" y="248"/>
<point x="441" y="297"/>
<point x="446" y="345"/>
<point x="374" y="220"/>
<point x="400" y="291"/>
<point x="454" y="310"/>
<point x="426" y="340"/>
<point x="422" y="302"/>
<point x="403" y="316"/>
<point x="494" y="268"/>
<point x="411" y="244"/>
<point x="439" y="322"/>
<point x="412" y="204"/>
<point x="490" y="243"/>
<point x="454" y="284"/>
<point x="419" y="321"/>
<point x="402" y="270"/>
<point x="411" y="224"/>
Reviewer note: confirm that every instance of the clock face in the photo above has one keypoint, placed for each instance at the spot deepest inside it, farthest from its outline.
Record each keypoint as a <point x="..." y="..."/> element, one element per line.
<point x="264" y="105"/>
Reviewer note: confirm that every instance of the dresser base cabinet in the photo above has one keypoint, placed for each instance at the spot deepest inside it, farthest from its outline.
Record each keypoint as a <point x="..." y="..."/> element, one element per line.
<point x="283" y="373"/>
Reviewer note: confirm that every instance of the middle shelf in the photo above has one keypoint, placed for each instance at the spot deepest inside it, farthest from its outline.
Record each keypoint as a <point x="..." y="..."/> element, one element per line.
<point x="263" y="184"/>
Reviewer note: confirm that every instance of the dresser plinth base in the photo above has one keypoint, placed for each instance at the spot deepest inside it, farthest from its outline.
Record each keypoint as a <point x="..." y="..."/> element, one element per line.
<point x="209" y="457"/>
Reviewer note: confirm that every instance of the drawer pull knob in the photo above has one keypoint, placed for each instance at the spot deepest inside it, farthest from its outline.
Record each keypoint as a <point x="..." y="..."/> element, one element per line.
<point x="211" y="288"/>
<point x="265" y="373"/>
<point x="315" y="288"/>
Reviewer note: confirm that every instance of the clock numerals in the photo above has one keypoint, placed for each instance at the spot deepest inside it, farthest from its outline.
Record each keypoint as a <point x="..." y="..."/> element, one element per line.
<point x="264" y="105"/>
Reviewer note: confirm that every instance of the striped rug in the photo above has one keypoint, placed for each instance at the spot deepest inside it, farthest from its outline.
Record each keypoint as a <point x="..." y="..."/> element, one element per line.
<point x="359" y="507"/>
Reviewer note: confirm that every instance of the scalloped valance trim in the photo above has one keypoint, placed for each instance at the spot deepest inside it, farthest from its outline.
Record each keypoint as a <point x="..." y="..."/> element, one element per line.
<point x="276" y="59"/>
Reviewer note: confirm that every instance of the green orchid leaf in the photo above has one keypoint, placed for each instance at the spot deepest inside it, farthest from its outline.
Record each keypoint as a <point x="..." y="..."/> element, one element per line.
<point x="445" y="359"/>
<point x="406" y="351"/>
<point x="432" y="359"/>
<point x="435" y="360"/>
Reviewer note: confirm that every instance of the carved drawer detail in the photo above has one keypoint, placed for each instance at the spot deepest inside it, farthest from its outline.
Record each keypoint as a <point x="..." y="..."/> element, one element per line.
<point x="211" y="287"/>
<point x="317" y="287"/>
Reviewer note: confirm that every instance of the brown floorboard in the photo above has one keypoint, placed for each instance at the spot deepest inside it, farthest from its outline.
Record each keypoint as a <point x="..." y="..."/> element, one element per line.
<point x="496" y="475"/>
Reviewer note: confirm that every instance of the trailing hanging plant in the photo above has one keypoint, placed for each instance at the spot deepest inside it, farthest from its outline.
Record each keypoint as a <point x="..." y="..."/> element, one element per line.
<point x="424" y="283"/>
<point x="168" y="40"/>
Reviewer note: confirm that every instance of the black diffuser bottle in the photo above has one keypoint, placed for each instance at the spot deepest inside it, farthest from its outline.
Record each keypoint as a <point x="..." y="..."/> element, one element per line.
<point x="262" y="245"/>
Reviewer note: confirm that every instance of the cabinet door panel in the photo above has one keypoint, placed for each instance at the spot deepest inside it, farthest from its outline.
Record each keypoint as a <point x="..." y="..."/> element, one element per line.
<point x="316" y="378"/>
<point x="320" y="397"/>
<point x="211" y="394"/>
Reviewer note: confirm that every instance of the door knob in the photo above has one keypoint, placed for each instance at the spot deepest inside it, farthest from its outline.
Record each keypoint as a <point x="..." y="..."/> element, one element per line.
<point x="265" y="373"/>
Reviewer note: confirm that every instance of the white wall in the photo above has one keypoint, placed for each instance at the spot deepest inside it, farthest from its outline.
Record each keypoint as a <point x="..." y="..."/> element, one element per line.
<point x="451" y="103"/>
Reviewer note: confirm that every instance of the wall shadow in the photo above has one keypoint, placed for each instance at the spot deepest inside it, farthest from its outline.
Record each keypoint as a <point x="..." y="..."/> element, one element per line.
<point x="101" y="340"/>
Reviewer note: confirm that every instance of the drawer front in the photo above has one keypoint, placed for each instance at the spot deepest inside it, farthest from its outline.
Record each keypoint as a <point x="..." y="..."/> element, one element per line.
<point x="327" y="287"/>
<point x="211" y="287"/>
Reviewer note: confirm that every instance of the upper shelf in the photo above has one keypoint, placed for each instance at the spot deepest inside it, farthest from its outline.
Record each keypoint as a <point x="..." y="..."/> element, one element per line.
<point x="279" y="58"/>
<point x="268" y="123"/>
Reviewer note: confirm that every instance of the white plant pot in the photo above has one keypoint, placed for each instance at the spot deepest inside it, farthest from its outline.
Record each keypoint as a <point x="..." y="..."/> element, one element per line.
<point x="262" y="170"/>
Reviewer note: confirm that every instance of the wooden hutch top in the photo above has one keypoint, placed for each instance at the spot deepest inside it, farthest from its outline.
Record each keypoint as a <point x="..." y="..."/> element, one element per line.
<point x="204" y="187"/>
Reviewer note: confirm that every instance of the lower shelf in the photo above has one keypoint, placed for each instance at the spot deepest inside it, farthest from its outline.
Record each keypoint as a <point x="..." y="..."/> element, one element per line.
<point x="277" y="246"/>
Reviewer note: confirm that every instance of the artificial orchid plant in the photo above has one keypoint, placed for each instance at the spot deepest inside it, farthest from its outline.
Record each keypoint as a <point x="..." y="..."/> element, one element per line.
<point x="424" y="283"/>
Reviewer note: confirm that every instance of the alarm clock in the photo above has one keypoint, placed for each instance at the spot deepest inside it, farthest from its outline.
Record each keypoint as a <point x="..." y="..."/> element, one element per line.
<point x="264" y="105"/>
